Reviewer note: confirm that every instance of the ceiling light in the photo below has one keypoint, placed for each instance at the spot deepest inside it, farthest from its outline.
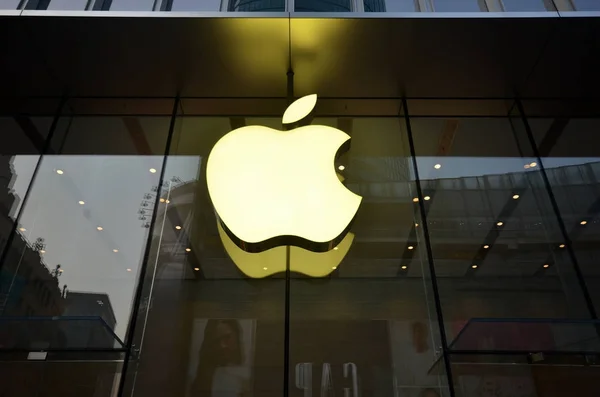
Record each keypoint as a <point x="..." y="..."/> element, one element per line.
<point x="341" y="168"/>
<point x="410" y="247"/>
<point x="516" y="197"/>
<point x="197" y="269"/>
<point x="426" y="198"/>
<point x="167" y="201"/>
<point x="561" y="246"/>
<point x="416" y="225"/>
<point x="532" y="164"/>
<point x="81" y="202"/>
<point x="264" y="268"/>
<point x="188" y="250"/>
<point x="437" y="166"/>
<point x="474" y="266"/>
<point x="335" y="248"/>
<point x="22" y="229"/>
<point x="42" y="251"/>
<point x="526" y="166"/>
<point x="404" y="267"/>
<point x="60" y="172"/>
<point x="128" y="269"/>
<point x="100" y="228"/>
<point x="153" y="170"/>
<point x="486" y="246"/>
<point x="115" y="250"/>
<point x="583" y="223"/>
<point x="178" y="227"/>
<point x="60" y="270"/>
<point x="500" y="223"/>
<point x="162" y="200"/>
<point x="415" y="200"/>
<point x="334" y="267"/>
<point x="546" y="266"/>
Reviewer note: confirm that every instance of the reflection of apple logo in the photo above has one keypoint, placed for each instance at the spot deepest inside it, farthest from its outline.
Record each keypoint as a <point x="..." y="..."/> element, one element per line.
<point x="272" y="188"/>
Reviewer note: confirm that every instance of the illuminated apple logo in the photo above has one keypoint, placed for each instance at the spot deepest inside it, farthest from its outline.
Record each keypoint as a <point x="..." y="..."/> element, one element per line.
<point x="274" y="188"/>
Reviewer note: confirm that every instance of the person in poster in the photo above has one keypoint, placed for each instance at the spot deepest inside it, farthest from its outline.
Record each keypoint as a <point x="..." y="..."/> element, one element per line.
<point x="222" y="368"/>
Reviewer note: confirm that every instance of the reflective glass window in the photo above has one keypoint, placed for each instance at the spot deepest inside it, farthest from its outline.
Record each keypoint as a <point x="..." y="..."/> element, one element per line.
<point x="459" y="5"/>
<point x="215" y="324"/>
<point x="397" y="6"/>
<point x="193" y="5"/>
<point x="256" y="5"/>
<point x="568" y="148"/>
<point x="526" y="5"/>
<point x="81" y="237"/>
<point x="323" y="6"/>
<point x="586" y="5"/>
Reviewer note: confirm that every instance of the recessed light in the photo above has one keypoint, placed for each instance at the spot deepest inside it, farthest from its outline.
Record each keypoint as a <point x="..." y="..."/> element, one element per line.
<point x="561" y="246"/>
<point x="474" y="266"/>
<point x="546" y="266"/>
<point x="526" y="166"/>
<point x="404" y="267"/>
<point x="264" y="268"/>
<point x="410" y="247"/>
<point x="335" y="248"/>
<point x="153" y="170"/>
<point x="42" y="251"/>
<point x="60" y="172"/>
<point x="516" y="197"/>
<point x="167" y="201"/>
<point x="334" y="267"/>
<point x="532" y="164"/>
<point x="81" y="202"/>
<point x="416" y="225"/>
<point x="128" y="269"/>
<point x="178" y="227"/>
<point x="415" y="200"/>
<point x="115" y="250"/>
<point x="437" y="166"/>
<point x="22" y="229"/>
<point x="341" y="168"/>
<point x="100" y="228"/>
<point x="188" y="250"/>
<point x="500" y="223"/>
<point x="486" y="246"/>
<point x="583" y="223"/>
<point x="426" y="198"/>
<point x="197" y="269"/>
<point x="162" y="200"/>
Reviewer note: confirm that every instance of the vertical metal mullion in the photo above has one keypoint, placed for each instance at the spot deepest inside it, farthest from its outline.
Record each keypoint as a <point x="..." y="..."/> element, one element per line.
<point x="436" y="293"/>
<point x="561" y="223"/>
<point x="45" y="149"/>
<point x="139" y="290"/>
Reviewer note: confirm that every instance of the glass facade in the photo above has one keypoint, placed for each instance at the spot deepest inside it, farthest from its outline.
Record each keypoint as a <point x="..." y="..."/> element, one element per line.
<point x="468" y="269"/>
<point x="306" y="5"/>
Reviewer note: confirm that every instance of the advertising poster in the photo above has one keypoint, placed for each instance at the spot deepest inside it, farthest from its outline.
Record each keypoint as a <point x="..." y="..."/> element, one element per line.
<point x="221" y="358"/>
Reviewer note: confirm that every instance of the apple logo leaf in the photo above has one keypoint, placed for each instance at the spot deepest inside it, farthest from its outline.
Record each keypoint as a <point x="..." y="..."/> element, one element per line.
<point x="299" y="109"/>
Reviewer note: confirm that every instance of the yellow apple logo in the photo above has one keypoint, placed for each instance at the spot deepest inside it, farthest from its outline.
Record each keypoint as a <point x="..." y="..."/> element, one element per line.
<point x="274" y="188"/>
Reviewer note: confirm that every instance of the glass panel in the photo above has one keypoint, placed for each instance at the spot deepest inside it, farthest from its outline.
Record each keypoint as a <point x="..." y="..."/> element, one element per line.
<point x="256" y="5"/>
<point x="214" y="325"/>
<point x="130" y="5"/>
<point x="524" y="5"/>
<point x="458" y="5"/>
<point x="194" y="5"/>
<point x="586" y="5"/>
<point x="393" y="5"/>
<point x="366" y="325"/>
<point x="69" y="4"/>
<point x="496" y="244"/>
<point x="23" y="140"/>
<point x="84" y="242"/>
<point x="323" y="6"/>
<point x="9" y="4"/>
<point x="379" y="5"/>
<point x="568" y="148"/>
